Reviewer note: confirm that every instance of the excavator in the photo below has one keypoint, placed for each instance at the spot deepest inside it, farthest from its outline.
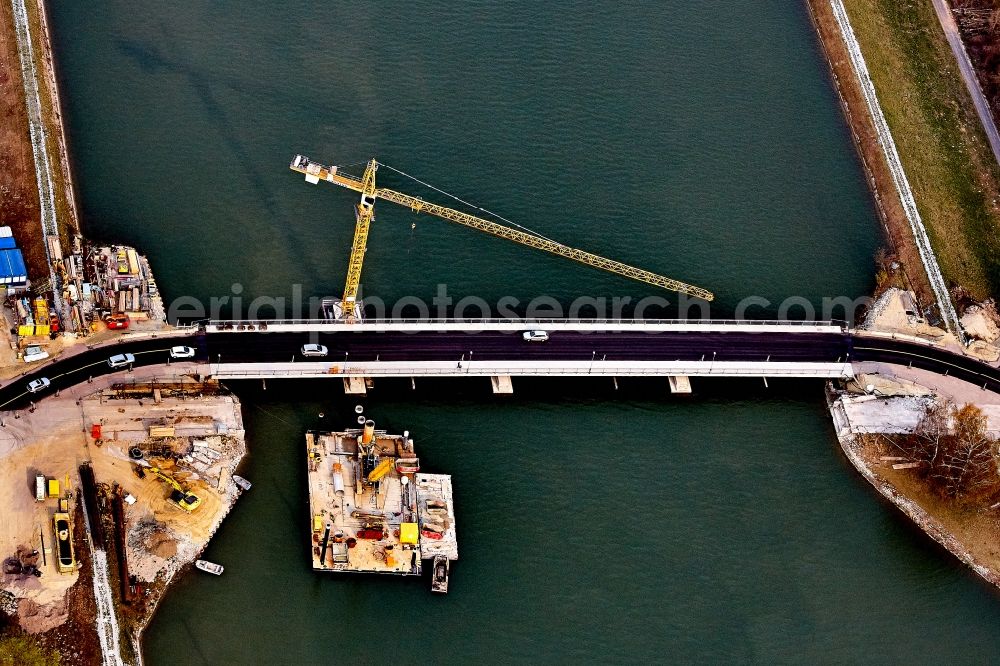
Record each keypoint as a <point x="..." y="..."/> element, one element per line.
<point x="365" y="214"/>
<point x="179" y="496"/>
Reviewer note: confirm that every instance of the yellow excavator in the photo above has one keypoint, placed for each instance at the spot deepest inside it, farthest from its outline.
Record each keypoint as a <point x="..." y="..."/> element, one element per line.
<point x="179" y="496"/>
<point x="365" y="213"/>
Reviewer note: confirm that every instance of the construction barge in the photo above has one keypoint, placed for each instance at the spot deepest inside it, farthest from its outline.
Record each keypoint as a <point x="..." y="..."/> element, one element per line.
<point x="371" y="510"/>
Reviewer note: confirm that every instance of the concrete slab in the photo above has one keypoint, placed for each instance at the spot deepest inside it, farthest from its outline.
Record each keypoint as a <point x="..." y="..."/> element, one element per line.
<point x="853" y="414"/>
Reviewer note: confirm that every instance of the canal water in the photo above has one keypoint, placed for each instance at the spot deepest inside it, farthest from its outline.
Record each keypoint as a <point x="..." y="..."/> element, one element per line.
<point x="699" y="140"/>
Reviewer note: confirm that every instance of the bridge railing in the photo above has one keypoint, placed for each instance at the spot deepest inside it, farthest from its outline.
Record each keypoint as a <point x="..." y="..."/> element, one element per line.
<point x="771" y="370"/>
<point x="892" y="335"/>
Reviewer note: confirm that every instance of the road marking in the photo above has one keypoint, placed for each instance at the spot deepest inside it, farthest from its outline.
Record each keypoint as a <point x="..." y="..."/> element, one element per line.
<point x="928" y="358"/>
<point x="84" y="367"/>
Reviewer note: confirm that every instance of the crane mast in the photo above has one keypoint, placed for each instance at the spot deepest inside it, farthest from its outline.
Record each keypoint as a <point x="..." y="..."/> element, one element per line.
<point x="364" y="214"/>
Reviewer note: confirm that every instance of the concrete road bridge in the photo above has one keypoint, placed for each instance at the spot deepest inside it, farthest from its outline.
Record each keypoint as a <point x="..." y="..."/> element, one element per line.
<point x="231" y="350"/>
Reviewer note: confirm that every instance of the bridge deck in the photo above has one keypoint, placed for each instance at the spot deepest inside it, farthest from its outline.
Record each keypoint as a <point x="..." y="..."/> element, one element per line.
<point x="406" y="348"/>
<point x="491" y="368"/>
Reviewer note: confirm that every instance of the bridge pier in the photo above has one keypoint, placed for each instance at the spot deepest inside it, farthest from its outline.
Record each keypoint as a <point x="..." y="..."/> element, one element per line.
<point x="502" y="384"/>
<point x="680" y="384"/>
<point x="355" y="385"/>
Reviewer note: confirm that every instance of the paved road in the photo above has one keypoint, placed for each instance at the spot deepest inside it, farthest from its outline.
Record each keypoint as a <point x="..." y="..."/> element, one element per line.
<point x="563" y="345"/>
<point x="508" y="346"/>
<point x="947" y="20"/>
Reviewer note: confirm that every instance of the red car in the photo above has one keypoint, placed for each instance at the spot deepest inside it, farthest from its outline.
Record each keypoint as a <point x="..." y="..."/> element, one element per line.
<point x="117" y="322"/>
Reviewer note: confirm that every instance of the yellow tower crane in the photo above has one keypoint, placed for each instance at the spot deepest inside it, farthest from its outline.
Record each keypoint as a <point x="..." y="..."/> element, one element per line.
<point x="364" y="214"/>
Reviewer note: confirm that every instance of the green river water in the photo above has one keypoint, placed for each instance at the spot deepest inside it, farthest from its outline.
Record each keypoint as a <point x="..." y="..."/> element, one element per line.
<point x="700" y="140"/>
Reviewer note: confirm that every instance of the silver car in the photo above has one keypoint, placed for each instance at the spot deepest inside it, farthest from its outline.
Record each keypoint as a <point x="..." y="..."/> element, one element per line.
<point x="38" y="385"/>
<point x="535" y="336"/>
<point x="314" y="350"/>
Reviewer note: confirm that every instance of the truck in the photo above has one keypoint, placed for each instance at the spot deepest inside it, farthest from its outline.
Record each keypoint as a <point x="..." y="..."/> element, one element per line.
<point x="66" y="562"/>
<point x="39" y="487"/>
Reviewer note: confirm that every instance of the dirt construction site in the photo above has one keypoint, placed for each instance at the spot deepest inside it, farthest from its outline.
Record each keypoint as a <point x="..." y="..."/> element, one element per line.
<point x="190" y="431"/>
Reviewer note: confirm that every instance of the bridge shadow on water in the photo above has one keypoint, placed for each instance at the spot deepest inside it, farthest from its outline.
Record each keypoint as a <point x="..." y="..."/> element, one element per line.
<point x="549" y="391"/>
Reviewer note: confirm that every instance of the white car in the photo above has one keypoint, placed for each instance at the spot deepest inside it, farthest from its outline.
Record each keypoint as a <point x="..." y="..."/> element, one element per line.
<point x="314" y="350"/>
<point x="535" y="336"/>
<point x="38" y="385"/>
<point x="182" y="352"/>
<point x="34" y="353"/>
<point x="121" y="360"/>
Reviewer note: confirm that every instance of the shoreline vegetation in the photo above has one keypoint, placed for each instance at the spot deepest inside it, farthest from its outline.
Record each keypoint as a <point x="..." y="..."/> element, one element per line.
<point x="901" y="248"/>
<point x="66" y="209"/>
<point x="967" y="531"/>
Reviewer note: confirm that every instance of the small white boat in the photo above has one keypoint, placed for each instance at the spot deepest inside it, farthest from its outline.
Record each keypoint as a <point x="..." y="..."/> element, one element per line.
<point x="210" y="567"/>
<point x="241" y="482"/>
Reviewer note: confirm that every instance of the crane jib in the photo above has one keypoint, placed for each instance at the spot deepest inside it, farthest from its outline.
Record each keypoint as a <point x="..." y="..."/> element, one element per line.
<point x="314" y="172"/>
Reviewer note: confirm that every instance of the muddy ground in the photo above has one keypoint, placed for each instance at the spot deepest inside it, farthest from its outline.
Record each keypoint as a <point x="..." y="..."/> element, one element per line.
<point x="162" y="539"/>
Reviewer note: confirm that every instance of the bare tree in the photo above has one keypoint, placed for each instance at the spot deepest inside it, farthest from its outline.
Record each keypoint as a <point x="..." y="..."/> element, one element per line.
<point x="968" y="461"/>
<point x="928" y="437"/>
<point x="959" y="457"/>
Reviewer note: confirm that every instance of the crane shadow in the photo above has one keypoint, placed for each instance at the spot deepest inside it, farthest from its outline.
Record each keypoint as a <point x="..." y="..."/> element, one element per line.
<point x="203" y="84"/>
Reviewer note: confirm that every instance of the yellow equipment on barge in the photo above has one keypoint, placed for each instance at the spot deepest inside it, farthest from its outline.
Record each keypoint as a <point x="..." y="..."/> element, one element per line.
<point x="367" y="513"/>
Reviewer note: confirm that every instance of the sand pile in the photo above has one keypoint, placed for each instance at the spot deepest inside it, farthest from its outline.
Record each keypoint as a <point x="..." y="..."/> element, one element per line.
<point x="35" y="617"/>
<point x="980" y="322"/>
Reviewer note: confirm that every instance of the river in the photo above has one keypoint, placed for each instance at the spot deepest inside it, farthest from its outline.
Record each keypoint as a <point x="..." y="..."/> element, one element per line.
<point x="700" y="140"/>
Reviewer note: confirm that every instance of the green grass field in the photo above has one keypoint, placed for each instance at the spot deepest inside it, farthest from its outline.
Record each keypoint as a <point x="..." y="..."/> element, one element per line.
<point x="955" y="179"/>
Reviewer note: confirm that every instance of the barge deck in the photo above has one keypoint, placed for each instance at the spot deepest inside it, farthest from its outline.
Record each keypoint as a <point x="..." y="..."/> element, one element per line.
<point x="370" y="508"/>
